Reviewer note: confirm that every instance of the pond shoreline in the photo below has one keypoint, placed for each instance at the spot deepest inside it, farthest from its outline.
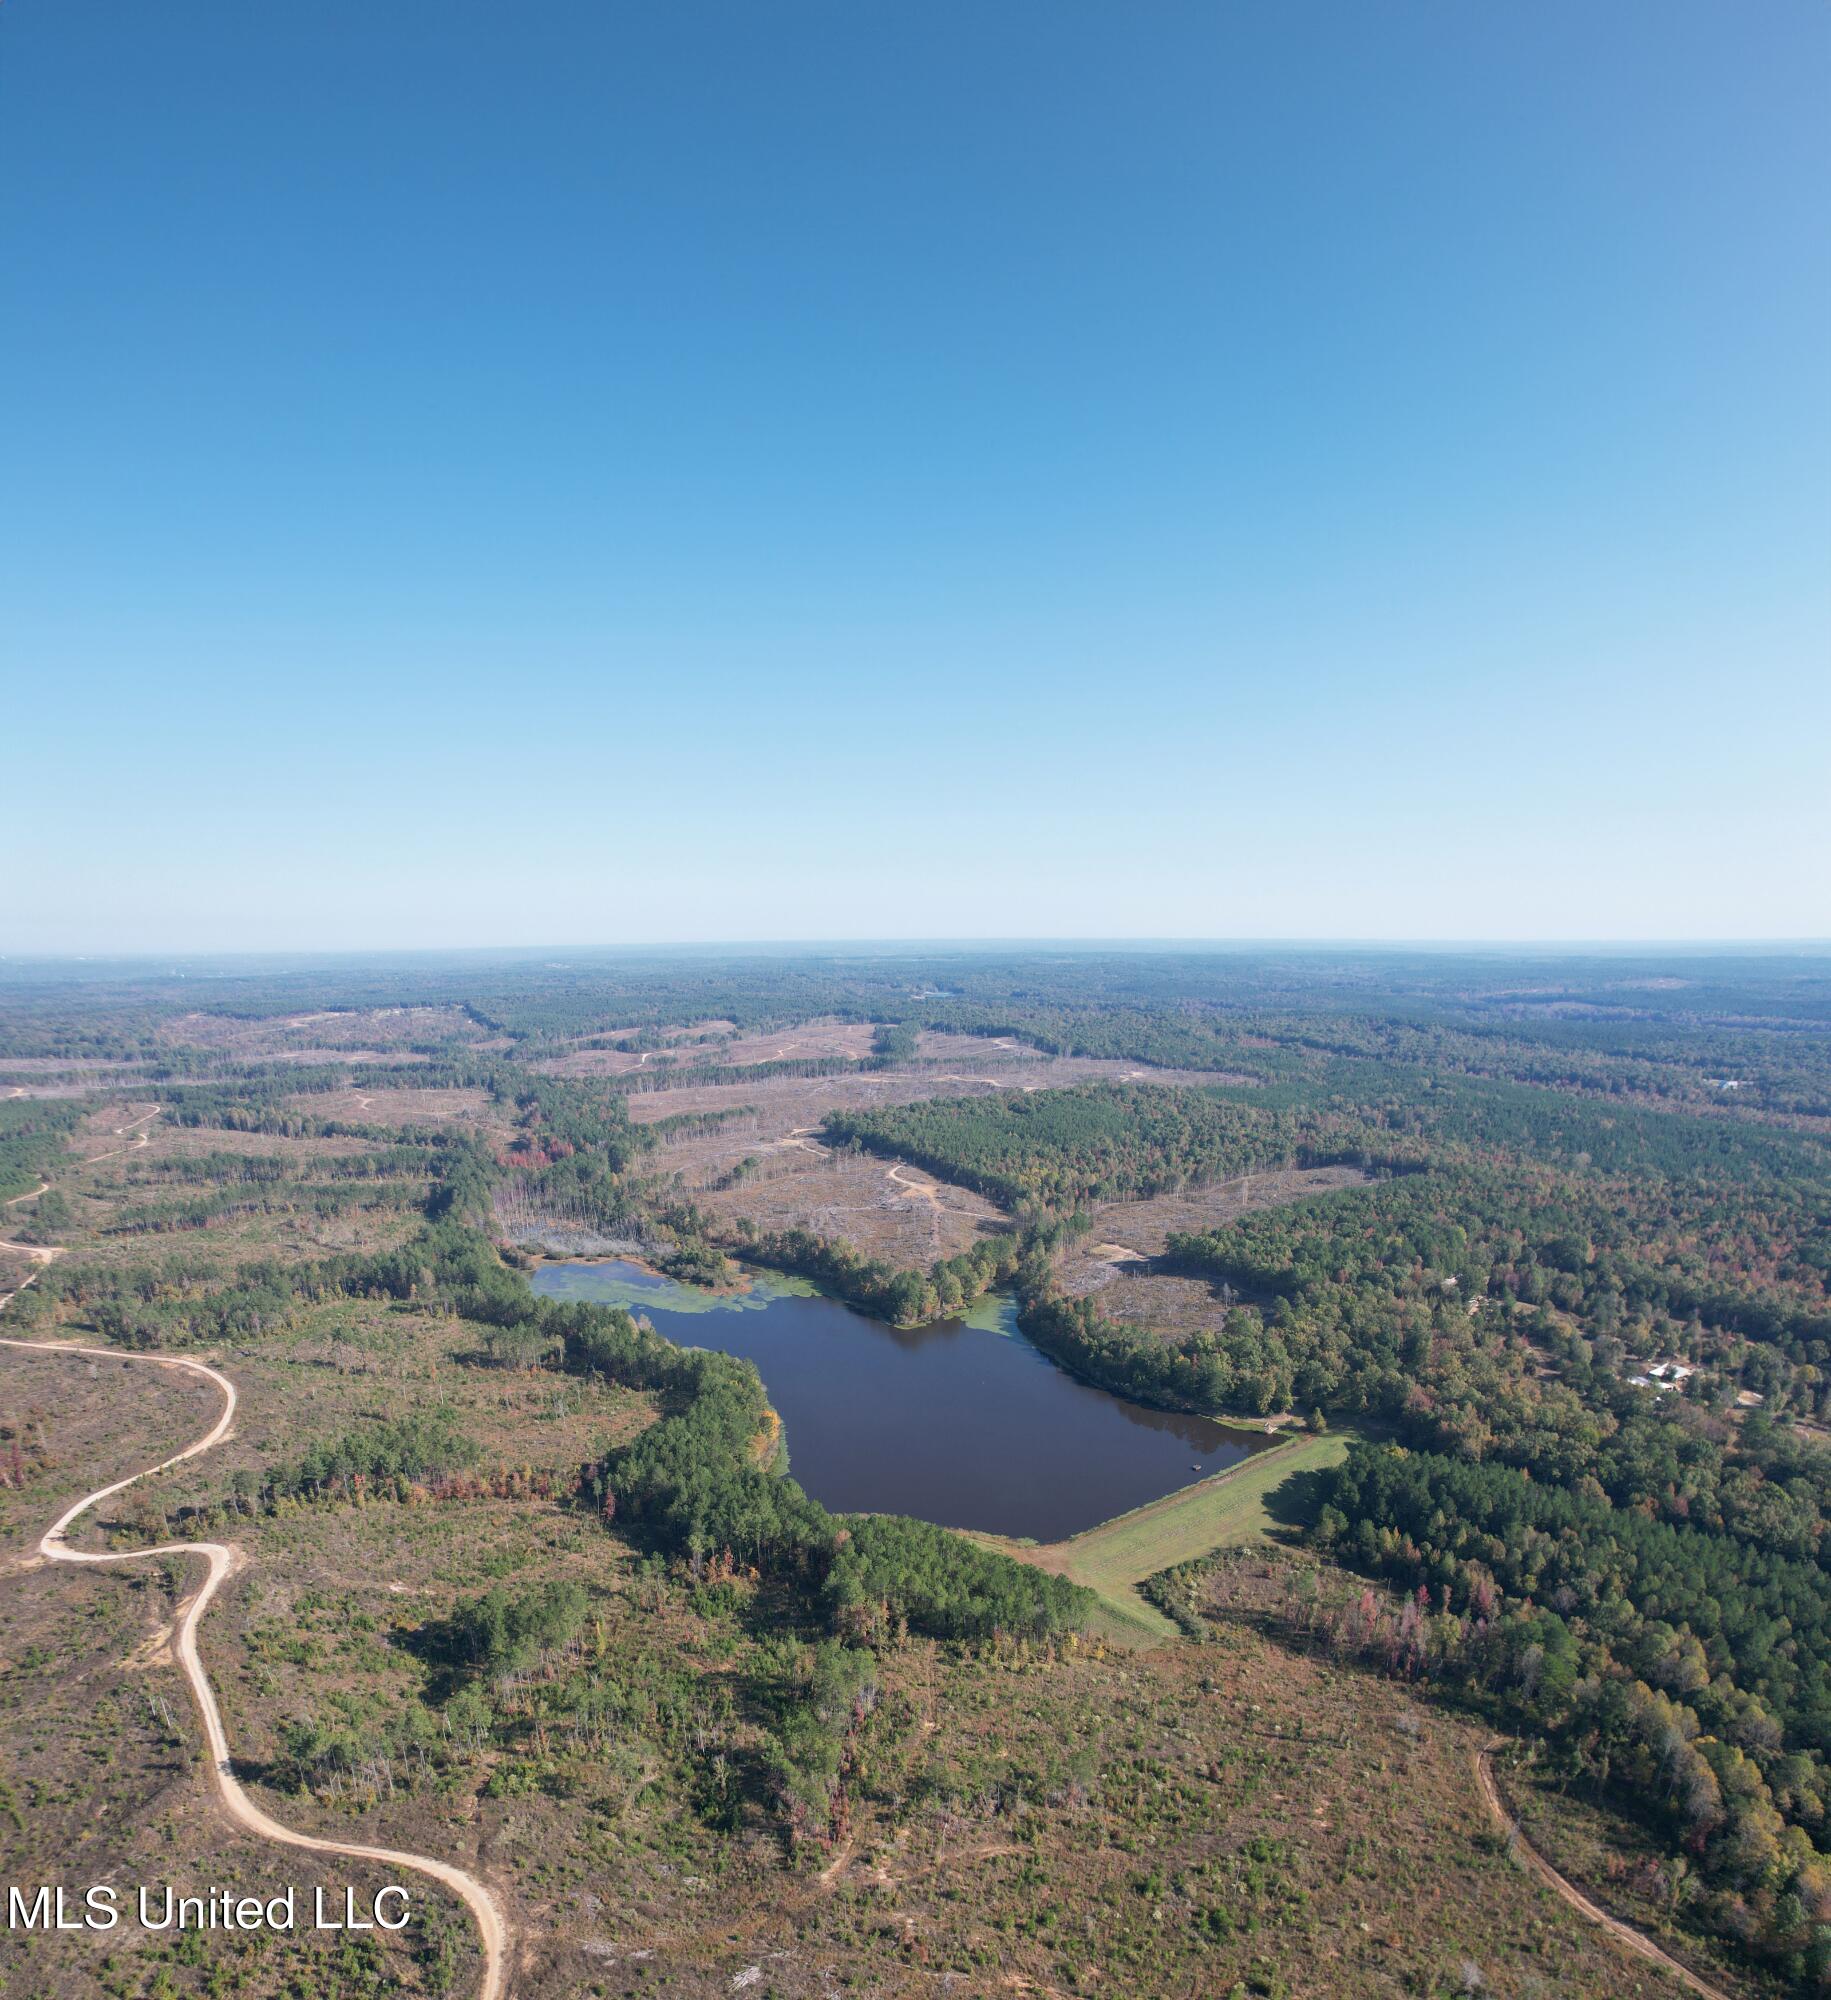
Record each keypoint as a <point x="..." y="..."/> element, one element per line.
<point x="938" y="1422"/>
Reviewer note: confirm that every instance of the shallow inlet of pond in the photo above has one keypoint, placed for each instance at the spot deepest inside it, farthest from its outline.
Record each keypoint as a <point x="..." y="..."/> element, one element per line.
<point x="962" y="1422"/>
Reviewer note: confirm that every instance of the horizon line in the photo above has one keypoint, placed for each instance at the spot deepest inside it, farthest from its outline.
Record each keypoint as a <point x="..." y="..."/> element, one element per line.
<point x="149" y="955"/>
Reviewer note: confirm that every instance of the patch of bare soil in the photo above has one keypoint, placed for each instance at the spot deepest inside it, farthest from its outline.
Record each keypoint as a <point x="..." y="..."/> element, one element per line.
<point x="395" y="1107"/>
<point x="169" y="1141"/>
<point x="713" y="1043"/>
<point x="607" y="1062"/>
<point x="68" y="1420"/>
<point x="63" y="1076"/>
<point x="358" y="1034"/>
<point x="103" y="1753"/>
<point x="1163" y="1302"/>
<point x="304" y="1056"/>
<point x="34" y="1065"/>
<point x="1120" y="1258"/>
<point x="1146" y="1226"/>
<point x="812" y="1041"/>
<point x="891" y="1211"/>
<point x="1003" y="1063"/>
<point x="953" y="1063"/>
<point x="766" y="1161"/>
<point x="777" y="1105"/>
<point x="115" y="1129"/>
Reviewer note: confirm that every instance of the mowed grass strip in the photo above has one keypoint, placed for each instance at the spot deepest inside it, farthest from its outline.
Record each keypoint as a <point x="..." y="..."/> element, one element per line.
<point x="1214" y="1513"/>
<point x="1234" y="1506"/>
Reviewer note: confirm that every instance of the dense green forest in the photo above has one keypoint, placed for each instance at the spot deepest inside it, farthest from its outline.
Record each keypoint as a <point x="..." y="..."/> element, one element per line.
<point x="1686" y="1664"/>
<point x="1055" y="1151"/>
<point x="904" y="1298"/>
<point x="33" y="1132"/>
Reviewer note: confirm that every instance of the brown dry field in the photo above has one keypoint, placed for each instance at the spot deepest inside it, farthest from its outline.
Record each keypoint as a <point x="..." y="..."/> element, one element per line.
<point x="53" y="1076"/>
<point x="784" y="1103"/>
<point x="38" y="1065"/>
<point x="893" y="1212"/>
<point x="807" y="1041"/>
<point x="713" y="1029"/>
<point x="286" y="1233"/>
<point x="113" y="1124"/>
<point x="396" y="1107"/>
<point x="1146" y="1226"/>
<point x="168" y="1141"/>
<point x="116" y="1181"/>
<point x="102" y="1777"/>
<point x="1052" y="1824"/>
<point x="331" y="1035"/>
<point x="1135" y="1289"/>
<point x="337" y="1367"/>
<point x="953" y="1059"/>
<point x="81" y="1422"/>
<point x="102" y="1769"/>
<point x="301" y="1057"/>
<point x="718" y="1042"/>
<point x="1241" y="1599"/>
<point x="1139" y="1296"/>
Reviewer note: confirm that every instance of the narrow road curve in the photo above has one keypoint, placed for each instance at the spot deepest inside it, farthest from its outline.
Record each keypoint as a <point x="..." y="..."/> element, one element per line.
<point x="928" y="1191"/>
<point x="1624" y="1935"/>
<point x="121" y="1132"/>
<point x="224" y="1559"/>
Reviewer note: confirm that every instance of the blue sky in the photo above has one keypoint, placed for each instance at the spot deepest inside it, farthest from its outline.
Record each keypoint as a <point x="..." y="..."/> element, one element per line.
<point x="585" y="473"/>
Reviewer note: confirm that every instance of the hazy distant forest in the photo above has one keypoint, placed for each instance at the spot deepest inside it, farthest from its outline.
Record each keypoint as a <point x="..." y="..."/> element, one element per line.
<point x="1525" y="1258"/>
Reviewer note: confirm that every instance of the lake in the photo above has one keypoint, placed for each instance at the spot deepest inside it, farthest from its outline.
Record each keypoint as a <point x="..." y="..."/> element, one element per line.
<point x="962" y="1422"/>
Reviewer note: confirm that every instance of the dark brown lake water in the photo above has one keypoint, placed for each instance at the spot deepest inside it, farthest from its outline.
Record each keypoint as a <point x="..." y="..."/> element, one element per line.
<point x="962" y="1422"/>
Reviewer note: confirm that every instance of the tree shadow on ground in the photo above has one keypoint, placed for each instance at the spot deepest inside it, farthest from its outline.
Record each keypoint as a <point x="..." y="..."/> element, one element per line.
<point x="1295" y="1502"/>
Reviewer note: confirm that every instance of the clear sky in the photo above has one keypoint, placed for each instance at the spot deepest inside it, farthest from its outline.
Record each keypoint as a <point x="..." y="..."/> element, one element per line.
<point x="583" y="472"/>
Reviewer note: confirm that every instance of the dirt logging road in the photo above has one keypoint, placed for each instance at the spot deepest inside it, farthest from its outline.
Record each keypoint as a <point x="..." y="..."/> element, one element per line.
<point x="223" y="1560"/>
<point x="1624" y="1935"/>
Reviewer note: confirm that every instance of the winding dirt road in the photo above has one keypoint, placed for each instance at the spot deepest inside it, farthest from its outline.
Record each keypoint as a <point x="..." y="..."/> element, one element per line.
<point x="38" y="1253"/>
<point x="1624" y="1935"/>
<point x="928" y="1191"/>
<point x="121" y="1132"/>
<point x="224" y="1559"/>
